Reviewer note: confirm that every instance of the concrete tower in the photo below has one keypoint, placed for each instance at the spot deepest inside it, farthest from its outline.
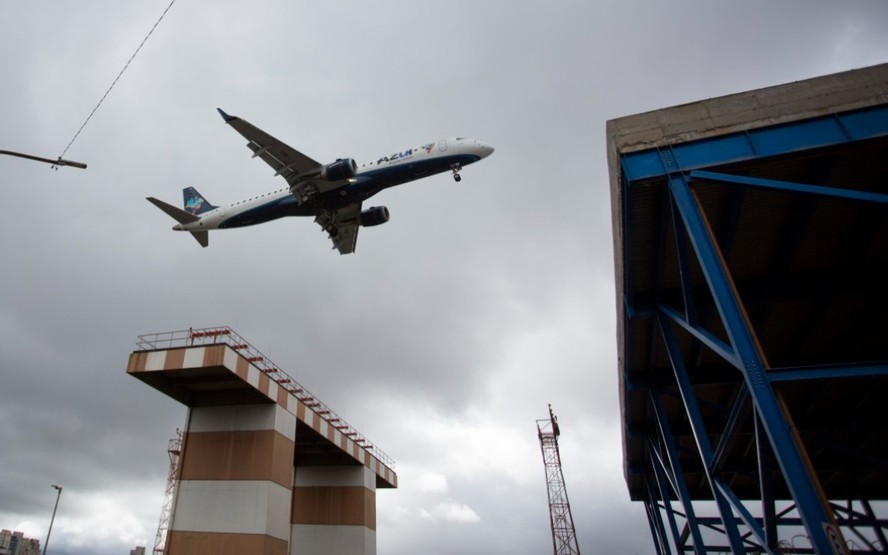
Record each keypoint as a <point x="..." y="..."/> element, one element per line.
<point x="266" y="467"/>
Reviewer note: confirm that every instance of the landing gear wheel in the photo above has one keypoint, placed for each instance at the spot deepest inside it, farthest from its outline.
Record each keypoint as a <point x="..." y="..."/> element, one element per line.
<point x="306" y="193"/>
<point x="456" y="168"/>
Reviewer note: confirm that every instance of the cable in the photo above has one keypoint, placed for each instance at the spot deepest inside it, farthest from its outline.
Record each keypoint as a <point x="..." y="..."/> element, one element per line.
<point x="117" y="78"/>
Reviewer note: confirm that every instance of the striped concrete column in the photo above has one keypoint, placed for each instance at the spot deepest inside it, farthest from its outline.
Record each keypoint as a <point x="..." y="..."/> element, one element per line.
<point x="334" y="511"/>
<point x="235" y="482"/>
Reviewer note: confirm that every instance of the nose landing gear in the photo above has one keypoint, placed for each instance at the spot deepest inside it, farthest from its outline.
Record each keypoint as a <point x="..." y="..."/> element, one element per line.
<point x="456" y="168"/>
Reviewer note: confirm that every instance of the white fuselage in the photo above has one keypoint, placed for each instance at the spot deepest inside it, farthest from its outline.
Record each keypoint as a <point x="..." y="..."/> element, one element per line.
<point x="370" y="178"/>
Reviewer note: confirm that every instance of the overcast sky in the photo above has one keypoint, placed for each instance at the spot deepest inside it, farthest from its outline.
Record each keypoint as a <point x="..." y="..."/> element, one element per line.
<point x="443" y="338"/>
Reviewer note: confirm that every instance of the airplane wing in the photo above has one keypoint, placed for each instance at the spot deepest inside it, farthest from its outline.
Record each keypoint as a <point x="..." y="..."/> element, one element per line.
<point x="285" y="160"/>
<point x="342" y="226"/>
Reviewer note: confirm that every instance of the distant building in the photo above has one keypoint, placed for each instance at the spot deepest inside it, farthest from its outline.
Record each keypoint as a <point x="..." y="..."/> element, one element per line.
<point x="137" y="551"/>
<point x="29" y="546"/>
<point x="15" y="543"/>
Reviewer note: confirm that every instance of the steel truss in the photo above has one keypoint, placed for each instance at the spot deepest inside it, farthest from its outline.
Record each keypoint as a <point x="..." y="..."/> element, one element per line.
<point x="676" y="522"/>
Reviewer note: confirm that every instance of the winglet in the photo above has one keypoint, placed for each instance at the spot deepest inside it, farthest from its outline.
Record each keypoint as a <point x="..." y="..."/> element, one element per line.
<point x="226" y="117"/>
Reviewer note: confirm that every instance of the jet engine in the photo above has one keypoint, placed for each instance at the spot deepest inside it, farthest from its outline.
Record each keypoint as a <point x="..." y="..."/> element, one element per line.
<point x="376" y="215"/>
<point x="341" y="169"/>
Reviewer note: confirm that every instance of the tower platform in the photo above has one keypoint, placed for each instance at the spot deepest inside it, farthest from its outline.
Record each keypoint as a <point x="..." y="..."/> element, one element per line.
<point x="266" y="467"/>
<point x="751" y="247"/>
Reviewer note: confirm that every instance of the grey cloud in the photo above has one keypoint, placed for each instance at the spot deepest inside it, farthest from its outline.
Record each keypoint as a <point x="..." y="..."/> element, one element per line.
<point x="444" y="337"/>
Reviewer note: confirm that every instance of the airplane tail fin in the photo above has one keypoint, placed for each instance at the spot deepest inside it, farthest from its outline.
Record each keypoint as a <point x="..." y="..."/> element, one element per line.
<point x="194" y="202"/>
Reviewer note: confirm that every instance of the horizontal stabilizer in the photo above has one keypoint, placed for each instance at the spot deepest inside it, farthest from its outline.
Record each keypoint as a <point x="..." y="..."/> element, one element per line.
<point x="177" y="214"/>
<point x="203" y="237"/>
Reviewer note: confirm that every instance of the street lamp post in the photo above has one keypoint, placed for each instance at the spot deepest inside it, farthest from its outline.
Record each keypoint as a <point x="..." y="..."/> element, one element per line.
<point x="46" y="544"/>
<point x="55" y="163"/>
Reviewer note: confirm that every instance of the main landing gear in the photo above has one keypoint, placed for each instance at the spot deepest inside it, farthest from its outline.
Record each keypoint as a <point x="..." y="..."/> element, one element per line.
<point x="456" y="168"/>
<point x="305" y="193"/>
<point x="327" y="220"/>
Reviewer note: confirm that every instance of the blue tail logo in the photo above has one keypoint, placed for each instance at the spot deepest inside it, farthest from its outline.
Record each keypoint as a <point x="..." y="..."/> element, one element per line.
<point x="195" y="203"/>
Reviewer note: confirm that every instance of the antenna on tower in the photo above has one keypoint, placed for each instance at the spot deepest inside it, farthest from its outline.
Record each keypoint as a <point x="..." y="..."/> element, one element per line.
<point x="564" y="536"/>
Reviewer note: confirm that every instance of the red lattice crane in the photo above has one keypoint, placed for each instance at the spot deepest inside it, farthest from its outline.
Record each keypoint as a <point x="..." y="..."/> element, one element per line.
<point x="175" y="452"/>
<point x="564" y="536"/>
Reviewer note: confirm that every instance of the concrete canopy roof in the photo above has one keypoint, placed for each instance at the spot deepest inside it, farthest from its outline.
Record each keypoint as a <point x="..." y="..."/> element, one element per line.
<point x="809" y="269"/>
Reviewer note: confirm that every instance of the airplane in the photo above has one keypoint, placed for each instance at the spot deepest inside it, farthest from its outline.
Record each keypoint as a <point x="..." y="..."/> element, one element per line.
<point x="333" y="193"/>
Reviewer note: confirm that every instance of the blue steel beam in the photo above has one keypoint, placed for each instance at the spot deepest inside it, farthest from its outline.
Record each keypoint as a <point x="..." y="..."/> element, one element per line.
<point x="650" y="519"/>
<point x="787" y="448"/>
<point x="764" y="460"/>
<point x="648" y="511"/>
<point x="684" y="270"/>
<point x="754" y="527"/>
<point x="663" y="486"/>
<point x="654" y="514"/>
<point x="715" y="344"/>
<point x="825" y="131"/>
<point x="657" y="461"/>
<point x="739" y="413"/>
<point x="826" y="372"/>
<point x="788" y="186"/>
<point x="677" y="473"/>
<point x="704" y="447"/>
